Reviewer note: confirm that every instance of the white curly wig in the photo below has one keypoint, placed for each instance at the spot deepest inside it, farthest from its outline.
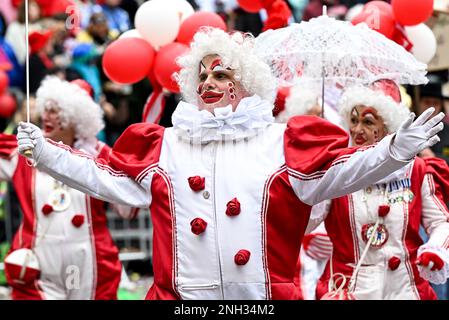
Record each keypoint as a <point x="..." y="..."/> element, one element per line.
<point x="393" y="113"/>
<point x="77" y="107"/>
<point x="236" y="52"/>
<point x="300" y="101"/>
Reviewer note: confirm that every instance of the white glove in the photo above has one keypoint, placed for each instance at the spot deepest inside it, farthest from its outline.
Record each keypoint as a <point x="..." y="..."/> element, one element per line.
<point x="29" y="137"/>
<point x="414" y="137"/>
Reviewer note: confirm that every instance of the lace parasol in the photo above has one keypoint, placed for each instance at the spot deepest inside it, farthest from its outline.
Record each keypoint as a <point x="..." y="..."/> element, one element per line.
<point x="336" y="52"/>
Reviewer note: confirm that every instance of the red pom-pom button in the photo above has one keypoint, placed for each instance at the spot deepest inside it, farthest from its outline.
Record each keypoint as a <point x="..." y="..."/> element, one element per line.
<point x="47" y="209"/>
<point x="233" y="207"/>
<point x="383" y="210"/>
<point x="242" y="257"/>
<point x="78" y="220"/>
<point x="198" y="226"/>
<point x="394" y="263"/>
<point x="197" y="183"/>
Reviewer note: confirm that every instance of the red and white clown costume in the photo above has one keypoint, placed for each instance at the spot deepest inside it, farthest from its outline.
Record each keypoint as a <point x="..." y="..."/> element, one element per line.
<point x="66" y="229"/>
<point x="412" y="196"/>
<point x="304" y="99"/>
<point x="229" y="192"/>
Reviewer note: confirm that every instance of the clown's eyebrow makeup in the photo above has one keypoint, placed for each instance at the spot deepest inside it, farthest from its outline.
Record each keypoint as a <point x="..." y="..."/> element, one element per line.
<point x="215" y="63"/>
<point x="202" y="67"/>
<point x="370" y="111"/>
<point x="355" y="112"/>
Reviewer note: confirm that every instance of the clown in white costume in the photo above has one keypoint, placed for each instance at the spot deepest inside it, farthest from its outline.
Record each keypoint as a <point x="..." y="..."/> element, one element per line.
<point x="377" y="251"/>
<point x="229" y="190"/>
<point x="63" y="249"/>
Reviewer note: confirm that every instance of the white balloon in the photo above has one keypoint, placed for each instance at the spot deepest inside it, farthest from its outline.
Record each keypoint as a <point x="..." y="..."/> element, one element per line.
<point x="133" y="33"/>
<point x="185" y="9"/>
<point x="353" y="12"/>
<point x="158" y="22"/>
<point x="424" y="42"/>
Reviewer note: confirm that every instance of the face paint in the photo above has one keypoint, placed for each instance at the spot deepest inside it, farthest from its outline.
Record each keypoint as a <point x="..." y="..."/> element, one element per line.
<point x="376" y="135"/>
<point x="200" y="88"/>
<point x="366" y="126"/>
<point x="231" y="91"/>
<point x="216" y="65"/>
<point x="217" y="86"/>
<point x="53" y="127"/>
<point x="370" y="111"/>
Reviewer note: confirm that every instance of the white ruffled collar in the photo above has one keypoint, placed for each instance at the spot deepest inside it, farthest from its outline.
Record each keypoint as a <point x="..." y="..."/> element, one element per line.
<point x="251" y="115"/>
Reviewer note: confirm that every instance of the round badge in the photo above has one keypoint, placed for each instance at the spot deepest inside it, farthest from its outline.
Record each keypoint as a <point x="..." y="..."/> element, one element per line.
<point x="408" y="195"/>
<point x="59" y="199"/>
<point x="381" y="234"/>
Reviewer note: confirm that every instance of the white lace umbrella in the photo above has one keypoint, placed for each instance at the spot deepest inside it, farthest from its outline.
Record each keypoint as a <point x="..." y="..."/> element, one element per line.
<point x="332" y="51"/>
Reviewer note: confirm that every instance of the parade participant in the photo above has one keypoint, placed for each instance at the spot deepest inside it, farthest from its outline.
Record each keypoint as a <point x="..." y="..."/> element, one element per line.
<point x="304" y="99"/>
<point x="229" y="191"/>
<point x="63" y="232"/>
<point x="375" y="231"/>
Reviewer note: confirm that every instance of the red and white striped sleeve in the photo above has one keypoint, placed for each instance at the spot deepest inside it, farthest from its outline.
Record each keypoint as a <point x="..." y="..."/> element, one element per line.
<point x="321" y="166"/>
<point x="125" y="178"/>
<point x="124" y="211"/>
<point x="435" y="216"/>
<point x="8" y="156"/>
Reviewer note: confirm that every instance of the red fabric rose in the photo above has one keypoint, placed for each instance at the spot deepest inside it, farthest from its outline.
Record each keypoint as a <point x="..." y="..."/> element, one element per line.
<point x="383" y="210"/>
<point x="394" y="263"/>
<point x="78" y="220"/>
<point x="47" y="209"/>
<point x="233" y="207"/>
<point x="198" y="225"/>
<point x="242" y="257"/>
<point x="197" y="183"/>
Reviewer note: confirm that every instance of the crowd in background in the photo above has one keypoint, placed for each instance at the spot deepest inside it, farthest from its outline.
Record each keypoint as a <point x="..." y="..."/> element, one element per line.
<point x="71" y="47"/>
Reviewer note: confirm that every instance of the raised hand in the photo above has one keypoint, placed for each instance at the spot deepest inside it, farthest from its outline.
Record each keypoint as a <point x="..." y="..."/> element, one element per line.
<point x="29" y="137"/>
<point x="415" y="136"/>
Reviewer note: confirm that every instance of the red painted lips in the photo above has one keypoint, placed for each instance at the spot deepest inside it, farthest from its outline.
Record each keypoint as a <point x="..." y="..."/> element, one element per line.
<point x="211" y="96"/>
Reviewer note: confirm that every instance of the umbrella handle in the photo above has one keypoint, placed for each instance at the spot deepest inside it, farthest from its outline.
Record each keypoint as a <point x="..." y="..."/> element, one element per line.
<point x="28" y="153"/>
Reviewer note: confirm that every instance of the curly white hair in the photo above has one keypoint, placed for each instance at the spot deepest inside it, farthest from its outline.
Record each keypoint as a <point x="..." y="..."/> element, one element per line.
<point x="77" y="107"/>
<point x="393" y="113"/>
<point x="300" y="101"/>
<point x="236" y="52"/>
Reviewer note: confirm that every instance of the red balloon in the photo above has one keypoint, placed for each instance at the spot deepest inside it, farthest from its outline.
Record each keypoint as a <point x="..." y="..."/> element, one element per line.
<point x="377" y="19"/>
<point x="4" y="82"/>
<point x="194" y="22"/>
<point x="252" y="6"/>
<point x="128" y="60"/>
<point x="165" y="65"/>
<point x="381" y="5"/>
<point x="412" y="12"/>
<point x="152" y="78"/>
<point x="8" y="105"/>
